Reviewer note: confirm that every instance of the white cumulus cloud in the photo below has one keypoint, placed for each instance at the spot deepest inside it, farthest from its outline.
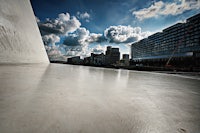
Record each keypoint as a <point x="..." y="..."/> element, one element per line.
<point x="160" y="8"/>
<point x="55" y="54"/>
<point x="62" y="25"/>
<point x="50" y="39"/>
<point x="94" y="37"/>
<point x="124" y="34"/>
<point x="82" y="36"/>
<point x="79" y="37"/>
<point x="98" y="49"/>
<point x="86" y="16"/>
<point x="77" y="43"/>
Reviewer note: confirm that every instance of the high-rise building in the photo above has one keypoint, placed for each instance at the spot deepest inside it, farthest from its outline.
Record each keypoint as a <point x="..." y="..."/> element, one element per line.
<point x="112" y="55"/>
<point x="178" y="44"/>
<point x="108" y="51"/>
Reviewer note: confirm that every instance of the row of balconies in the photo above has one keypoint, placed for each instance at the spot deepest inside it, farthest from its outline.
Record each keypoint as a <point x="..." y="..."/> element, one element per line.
<point x="194" y="39"/>
<point x="186" y="49"/>
<point x="171" y="38"/>
<point x="167" y="49"/>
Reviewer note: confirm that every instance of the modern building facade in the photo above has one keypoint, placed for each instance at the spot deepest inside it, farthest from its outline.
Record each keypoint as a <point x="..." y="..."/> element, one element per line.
<point x="178" y="44"/>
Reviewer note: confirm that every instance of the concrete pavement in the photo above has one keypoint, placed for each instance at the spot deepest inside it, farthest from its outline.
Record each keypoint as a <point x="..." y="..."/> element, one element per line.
<point x="59" y="98"/>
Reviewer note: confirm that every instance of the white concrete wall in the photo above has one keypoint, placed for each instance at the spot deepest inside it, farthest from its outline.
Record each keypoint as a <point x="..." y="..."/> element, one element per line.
<point x="20" y="39"/>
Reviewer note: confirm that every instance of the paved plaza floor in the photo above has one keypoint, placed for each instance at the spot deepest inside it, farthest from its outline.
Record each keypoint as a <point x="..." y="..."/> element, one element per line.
<point x="60" y="98"/>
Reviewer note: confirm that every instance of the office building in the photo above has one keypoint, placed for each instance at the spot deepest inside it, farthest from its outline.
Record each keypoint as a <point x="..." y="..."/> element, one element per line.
<point x="112" y="55"/>
<point x="177" y="45"/>
<point x="75" y="60"/>
<point x="125" y="56"/>
<point x="125" y="60"/>
<point x="87" y="61"/>
<point x="97" y="59"/>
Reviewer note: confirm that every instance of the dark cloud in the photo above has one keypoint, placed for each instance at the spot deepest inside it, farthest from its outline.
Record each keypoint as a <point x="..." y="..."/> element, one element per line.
<point x="46" y="29"/>
<point x="71" y="41"/>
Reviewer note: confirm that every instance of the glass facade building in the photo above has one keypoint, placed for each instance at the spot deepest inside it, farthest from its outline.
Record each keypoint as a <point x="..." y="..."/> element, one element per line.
<point x="181" y="40"/>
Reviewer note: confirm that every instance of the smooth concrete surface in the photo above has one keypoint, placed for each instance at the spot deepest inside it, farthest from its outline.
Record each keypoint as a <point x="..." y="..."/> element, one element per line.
<point x="20" y="39"/>
<point x="60" y="98"/>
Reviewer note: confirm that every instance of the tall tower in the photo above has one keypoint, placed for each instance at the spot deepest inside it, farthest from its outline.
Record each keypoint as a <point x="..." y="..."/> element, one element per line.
<point x="108" y="51"/>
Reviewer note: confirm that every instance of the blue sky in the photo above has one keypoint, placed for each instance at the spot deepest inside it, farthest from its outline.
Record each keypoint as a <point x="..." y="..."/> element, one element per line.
<point x="79" y="27"/>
